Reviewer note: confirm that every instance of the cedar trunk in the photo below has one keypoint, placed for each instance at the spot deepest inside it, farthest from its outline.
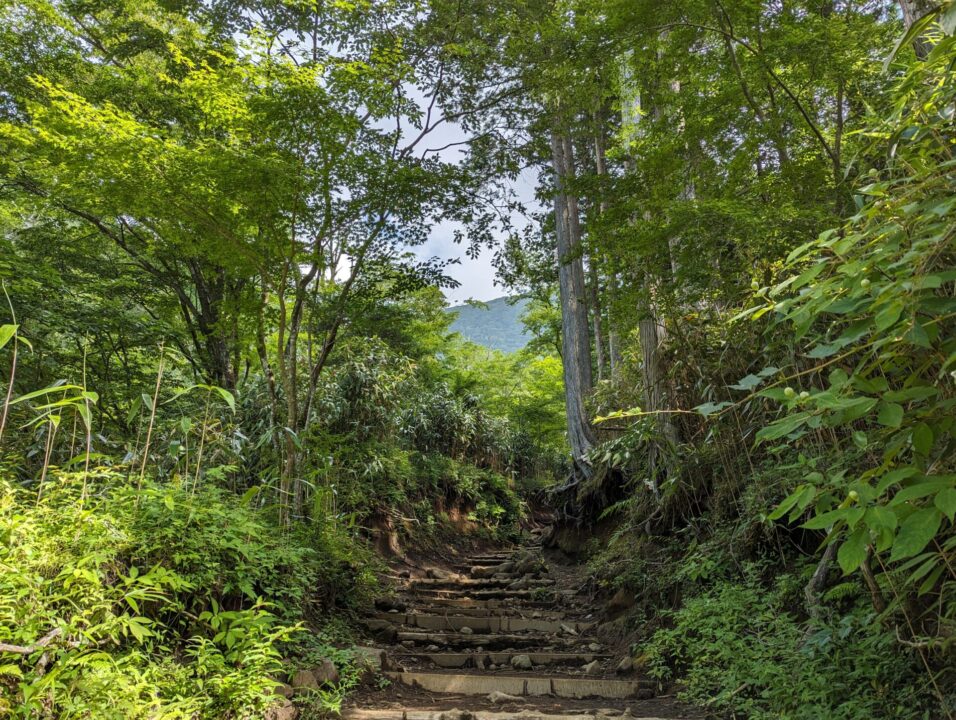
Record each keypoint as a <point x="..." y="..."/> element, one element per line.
<point x="575" y="340"/>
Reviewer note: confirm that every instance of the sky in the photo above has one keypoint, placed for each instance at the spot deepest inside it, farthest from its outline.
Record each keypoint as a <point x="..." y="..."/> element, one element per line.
<point x="476" y="276"/>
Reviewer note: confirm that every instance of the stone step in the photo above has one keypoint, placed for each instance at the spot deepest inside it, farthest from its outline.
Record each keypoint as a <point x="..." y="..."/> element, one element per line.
<point x="524" y="714"/>
<point x="462" y="660"/>
<point x="463" y="605"/>
<point x="523" y="685"/>
<point x="492" y="608"/>
<point x="484" y="560"/>
<point x="475" y="594"/>
<point x="482" y="624"/>
<point x="476" y="583"/>
<point x="490" y="640"/>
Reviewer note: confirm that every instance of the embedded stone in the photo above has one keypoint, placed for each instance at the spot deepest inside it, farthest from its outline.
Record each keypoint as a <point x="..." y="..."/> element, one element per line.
<point x="522" y="662"/>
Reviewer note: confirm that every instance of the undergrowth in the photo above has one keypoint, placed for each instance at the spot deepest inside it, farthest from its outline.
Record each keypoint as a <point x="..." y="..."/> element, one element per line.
<point x="154" y="601"/>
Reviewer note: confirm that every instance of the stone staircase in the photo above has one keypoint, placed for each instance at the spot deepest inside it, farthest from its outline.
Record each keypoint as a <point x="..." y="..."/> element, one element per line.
<point x="499" y="635"/>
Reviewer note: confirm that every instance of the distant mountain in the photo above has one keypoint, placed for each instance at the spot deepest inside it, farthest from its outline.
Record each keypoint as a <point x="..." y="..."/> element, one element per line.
<point x="494" y="324"/>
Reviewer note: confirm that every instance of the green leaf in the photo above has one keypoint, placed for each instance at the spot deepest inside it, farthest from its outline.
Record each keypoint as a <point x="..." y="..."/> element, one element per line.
<point x="712" y="408"/>
<point x="922" y="488"/>
<point x="44" y="391"/>
<point x="228" y="397"/>
<point x="930" y="582"/>
<point x="922" y="439"/>
<point x="895" y="476"/>
<point x="888" y="316"/>
<point x="782" y="427"/>
<point x="879" y="517"/>
<point x="852" y="553"/>
<point x="947" y="20"/>
<point x="7" y="332"/>
<point x="11" y="670"/>
<point x="890" y="414"/>
<point x="787" y="504"/>
<point x="138" y="627"/>
<point x="824" y="520"/>
<point x="915" y="533"/>
<point x="946" y="503"/>
<point x="825" y="350"/>
<point x="249" y="494"/>
<point x="911" y="34"/>
<point x="747" y="383"/>
<point x="920" y="392"/>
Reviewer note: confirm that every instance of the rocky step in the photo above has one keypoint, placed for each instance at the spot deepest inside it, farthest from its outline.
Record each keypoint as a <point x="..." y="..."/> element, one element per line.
<point x="469" y="563"/>
<point x="497" y="623"/>
<point x="468" y="604"/>
<point x="524" y="685"/>
<point x="479" y="594"/>
<point x="524" y="714"/>
<point x="493" y="608"/>
<point x="490" y="583"/>
<point x="483" y="660"/>
<point x="489" y="640"/>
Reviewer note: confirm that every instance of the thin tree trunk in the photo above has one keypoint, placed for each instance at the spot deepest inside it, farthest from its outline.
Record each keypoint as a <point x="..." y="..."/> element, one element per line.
<point x="576" y="350"/>
<point x="913" y="10"/>
<point x="595" y="297"/>
<point x="600" y="164"/>
<point x="651" y="335"/>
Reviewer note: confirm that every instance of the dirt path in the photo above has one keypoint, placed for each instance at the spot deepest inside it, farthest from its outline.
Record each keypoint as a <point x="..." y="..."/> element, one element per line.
<point x="498" y="635"/>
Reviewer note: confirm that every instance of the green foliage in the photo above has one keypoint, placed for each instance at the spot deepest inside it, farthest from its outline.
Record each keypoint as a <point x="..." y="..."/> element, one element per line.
<point x="164" y="603"/>
<point x="872" y="304"/>
<point x="741" y="650"/>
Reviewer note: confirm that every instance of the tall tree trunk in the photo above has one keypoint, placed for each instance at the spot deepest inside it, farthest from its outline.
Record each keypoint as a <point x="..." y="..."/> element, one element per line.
<point x="913" y="10"/>
<point x="651" y="335"/>
<point x="575" y="342"/>
<point x="595" y="297"/>
<point x="613" y="340"/>
<point x="600" y="164"/>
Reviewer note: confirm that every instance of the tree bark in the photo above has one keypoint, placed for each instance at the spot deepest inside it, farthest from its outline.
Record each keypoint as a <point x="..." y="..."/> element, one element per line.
<point x="600" y="164"/>
<point x="595" y="297"/>
<point x="652" y="334"/>
<point x="575" y="341"/>
<point x="913" y="10"/>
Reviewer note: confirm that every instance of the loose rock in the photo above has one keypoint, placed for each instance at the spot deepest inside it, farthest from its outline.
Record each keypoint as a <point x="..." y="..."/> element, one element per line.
<point x="621" y="601"/>
<point x="304" y="681"/>
<point x="498" y="697"/>
<point x="522" y="662"/>
<point x="386" y="604"/>
<point x="456" y="715"/>
<point x="284" y="710"/>
<point x="374" y="658"/>
<point x="325" y="673"/>
<point x="283" y="690"/>
<point x="592" y="668"/>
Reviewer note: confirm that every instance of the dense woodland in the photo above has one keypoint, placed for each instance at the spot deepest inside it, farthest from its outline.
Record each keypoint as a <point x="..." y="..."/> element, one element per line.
<point x="229" y="387"/>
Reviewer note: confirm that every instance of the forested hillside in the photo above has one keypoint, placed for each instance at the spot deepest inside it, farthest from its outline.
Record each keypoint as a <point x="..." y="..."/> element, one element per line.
<point x="236" y="418"/>
<point x="495" y="324"/>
